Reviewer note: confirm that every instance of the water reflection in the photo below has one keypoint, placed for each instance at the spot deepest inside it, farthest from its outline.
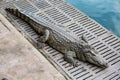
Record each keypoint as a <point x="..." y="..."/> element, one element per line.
<point x="105" y="12"/>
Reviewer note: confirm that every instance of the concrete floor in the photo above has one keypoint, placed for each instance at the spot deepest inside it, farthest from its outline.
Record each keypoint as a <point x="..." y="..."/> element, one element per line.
<point x="19" y="60"/>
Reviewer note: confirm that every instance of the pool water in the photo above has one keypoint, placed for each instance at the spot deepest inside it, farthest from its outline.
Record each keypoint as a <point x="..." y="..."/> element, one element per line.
<point x="105" y="12"/>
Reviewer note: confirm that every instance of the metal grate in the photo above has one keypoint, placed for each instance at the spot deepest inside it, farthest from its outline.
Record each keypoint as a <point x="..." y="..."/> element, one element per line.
<point x="107" y="44"/>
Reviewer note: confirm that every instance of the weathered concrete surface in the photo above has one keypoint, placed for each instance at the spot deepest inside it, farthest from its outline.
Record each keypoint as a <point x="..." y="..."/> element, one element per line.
<point x="19" y="60"/>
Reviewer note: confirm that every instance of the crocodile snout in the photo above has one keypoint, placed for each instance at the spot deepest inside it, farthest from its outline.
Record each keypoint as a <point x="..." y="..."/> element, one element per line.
<point x="95" y="59"/>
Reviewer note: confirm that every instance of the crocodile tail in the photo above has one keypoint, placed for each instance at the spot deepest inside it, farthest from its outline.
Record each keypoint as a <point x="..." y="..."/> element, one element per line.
<point x="24" y="17"/>
<point x="17" y="13"/>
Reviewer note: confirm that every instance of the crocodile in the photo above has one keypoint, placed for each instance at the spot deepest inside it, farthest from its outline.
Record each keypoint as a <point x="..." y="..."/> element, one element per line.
<point x="56" y="37"/>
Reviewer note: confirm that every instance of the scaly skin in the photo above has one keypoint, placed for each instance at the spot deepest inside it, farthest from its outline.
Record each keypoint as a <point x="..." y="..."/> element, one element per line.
<point x="58" y="39"/>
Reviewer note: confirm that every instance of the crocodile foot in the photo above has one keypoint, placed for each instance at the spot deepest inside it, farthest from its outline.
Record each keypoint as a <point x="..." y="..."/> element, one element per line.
<point x="69" y="57"/>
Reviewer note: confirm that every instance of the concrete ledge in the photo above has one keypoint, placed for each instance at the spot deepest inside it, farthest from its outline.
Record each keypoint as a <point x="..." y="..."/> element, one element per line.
<point x="19" y="60"/>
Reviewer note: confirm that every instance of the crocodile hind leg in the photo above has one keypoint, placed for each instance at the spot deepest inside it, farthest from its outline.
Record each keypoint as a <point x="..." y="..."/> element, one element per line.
<point x="69" y="57"/>
<point x="42" y="39"/>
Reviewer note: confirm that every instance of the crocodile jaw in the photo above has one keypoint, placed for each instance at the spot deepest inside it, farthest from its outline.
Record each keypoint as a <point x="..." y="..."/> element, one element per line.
<point x="95" y="59"/>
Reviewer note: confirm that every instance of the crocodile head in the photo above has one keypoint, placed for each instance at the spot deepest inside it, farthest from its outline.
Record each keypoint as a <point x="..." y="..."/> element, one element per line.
<point x="91" y="55"/>
<point x="95" y="59"/>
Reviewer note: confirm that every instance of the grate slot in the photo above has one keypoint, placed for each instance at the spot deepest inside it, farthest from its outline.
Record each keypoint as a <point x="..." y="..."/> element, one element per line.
<point x="82" y="18"/>
<point x="97" y="44"/>
<point x="108" y="52"/>
<point x="115" y="58"/>
<point x="24" y="5"/>
<point x="116" y="46"/>
<point x="55" y="54"/>
<point x="81" y="33"/>
<point x="111" y="41"/>
<point x="55" y="2"/>
<point x="41" y="15"/>
<point x="100" y="47"/>
<point x="109" y="75"/>
<point x="88" y="24"/>
<point x="115" y="62"/>
<point x="76" y="69"/>
<point x="73" y="26"/>
<point x="110" y="56"/>
<point x="98" y="71"/>
<point x="85" y="74"/>
<point x="70" y="68"/>
<point x="85" y="21"/>
<point x="94" y="68"/>
<point x="57" y="16"/>
<point x="95" y="28"/>
<point x="102" y="33"/>
<point x="79" y="72"/>
<point x="114" y="77"/>
<point x="103" y="49"/>
<point x="67" y="66"/>
<point x="90" y="37"/>
<point x="63" y="63"/>
<point x="77" y="29"/>
<point x="51" y="51"/>
<point x="114" y="42"/>
<point x="109" y="38"/>
<point x="70" y="11"/>
<point x="91" y="26"/>
<point x="87" y="77"/>
<point x="41" y="4"/>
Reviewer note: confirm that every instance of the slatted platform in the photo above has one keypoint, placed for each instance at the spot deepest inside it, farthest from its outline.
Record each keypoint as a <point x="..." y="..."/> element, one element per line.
<point x="58" y="12"/>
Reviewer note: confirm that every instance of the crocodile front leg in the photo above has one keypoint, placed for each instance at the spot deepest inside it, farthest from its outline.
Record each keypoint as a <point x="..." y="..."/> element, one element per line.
<point x="42" y="39"/>
<point x="69" y="57"/>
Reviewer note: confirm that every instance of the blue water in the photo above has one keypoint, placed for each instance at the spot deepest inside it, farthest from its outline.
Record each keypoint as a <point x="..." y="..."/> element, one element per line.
<point x="105" y="12"/>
